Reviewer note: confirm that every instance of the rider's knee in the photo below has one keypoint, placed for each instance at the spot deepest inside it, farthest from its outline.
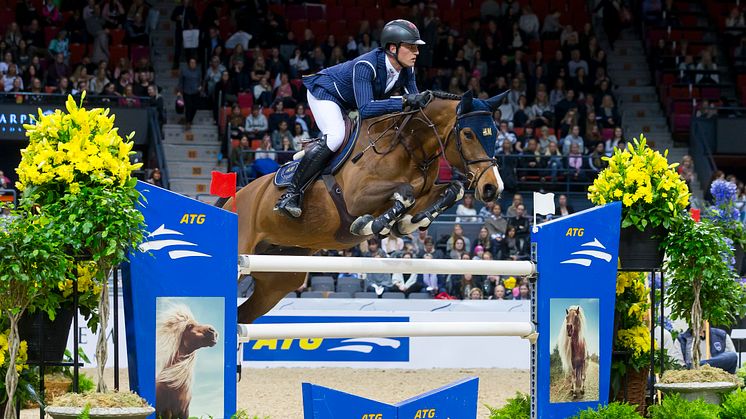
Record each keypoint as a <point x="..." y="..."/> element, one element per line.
<point x="335" y="137"/>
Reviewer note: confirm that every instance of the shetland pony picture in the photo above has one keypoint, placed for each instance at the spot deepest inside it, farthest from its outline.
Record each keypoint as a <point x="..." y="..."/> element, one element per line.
<point x="179" y="338"/>
<point x="572" y="361"/>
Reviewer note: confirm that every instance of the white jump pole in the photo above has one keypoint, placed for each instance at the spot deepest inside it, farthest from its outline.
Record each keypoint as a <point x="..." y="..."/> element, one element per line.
<point x="248" y="332"/>
<point x="271" y="263"/>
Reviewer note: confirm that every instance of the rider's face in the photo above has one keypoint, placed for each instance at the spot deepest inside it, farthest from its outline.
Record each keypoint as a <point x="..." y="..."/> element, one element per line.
<point x="408" y="54"/>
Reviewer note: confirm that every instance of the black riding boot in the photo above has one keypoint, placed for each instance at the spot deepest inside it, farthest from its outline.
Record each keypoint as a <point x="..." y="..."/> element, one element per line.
<point x="309" y="167"/>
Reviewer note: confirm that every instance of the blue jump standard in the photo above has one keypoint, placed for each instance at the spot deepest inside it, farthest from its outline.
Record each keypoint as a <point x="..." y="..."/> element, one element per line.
<point x="456" y="400"/>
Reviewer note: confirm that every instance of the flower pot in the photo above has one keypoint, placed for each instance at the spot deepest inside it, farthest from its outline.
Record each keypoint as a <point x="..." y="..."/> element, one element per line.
<point x="55" y="334"/>
<point x="636" y="383"/>
<point x="709" y="392"/>
<point x="639" y="250"/>
<point x="58" y="412"/>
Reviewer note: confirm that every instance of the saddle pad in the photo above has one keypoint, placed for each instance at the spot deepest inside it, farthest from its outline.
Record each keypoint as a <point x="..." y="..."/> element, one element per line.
<point x="285" y="173"/>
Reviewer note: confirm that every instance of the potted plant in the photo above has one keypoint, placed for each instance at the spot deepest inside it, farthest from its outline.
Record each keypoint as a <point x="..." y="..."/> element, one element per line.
<point x="703" y="286"/>
<point x="724" y="214"/>
<point x="119" y="405"/>
<point x="631" y="345"/>
<point x="78" y="167"/>
<point x="27" y="378"/>
<point x="652" y="196"/>
<point x="32" y="263"/>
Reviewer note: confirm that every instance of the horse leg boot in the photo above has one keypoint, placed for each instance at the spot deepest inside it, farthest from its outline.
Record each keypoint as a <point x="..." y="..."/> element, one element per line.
<point x="450" y="196"/>
<point x="367" y="224"/>
<point x="313" y="162"/>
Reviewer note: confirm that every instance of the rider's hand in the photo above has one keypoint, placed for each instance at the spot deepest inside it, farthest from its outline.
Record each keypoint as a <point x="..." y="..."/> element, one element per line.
<point x="415" y="101"/>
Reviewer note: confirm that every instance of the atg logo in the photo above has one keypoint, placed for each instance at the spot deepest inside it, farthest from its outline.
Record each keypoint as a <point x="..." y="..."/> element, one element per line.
<point x="335" y="350"/>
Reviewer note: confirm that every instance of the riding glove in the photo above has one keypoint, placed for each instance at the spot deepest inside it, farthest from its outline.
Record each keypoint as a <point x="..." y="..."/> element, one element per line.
<point x="415" y="101"/>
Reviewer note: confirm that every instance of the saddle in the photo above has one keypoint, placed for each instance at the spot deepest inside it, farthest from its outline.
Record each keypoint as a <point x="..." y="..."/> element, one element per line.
<point x="352" y="130"/>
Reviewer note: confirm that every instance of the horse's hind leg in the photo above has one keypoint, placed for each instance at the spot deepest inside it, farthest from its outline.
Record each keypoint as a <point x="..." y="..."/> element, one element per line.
<point x="366" y="225"/>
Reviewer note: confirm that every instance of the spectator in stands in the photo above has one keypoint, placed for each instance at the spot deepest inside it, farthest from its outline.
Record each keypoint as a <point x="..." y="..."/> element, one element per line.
<point x="60" y="44"/>
<point x="96" y="85"/>
<point x="524" y="292"/>
<point x="4" y="181"/>
<point x="686" y="169"/>
<point x="496" y="224"/>
<point x="466" y="211"/>
<point x="278" y="116"/>
<point x="542" y="110"/>
<point x="723" y="353"/>
<point x="529" y="23"/>
<point x="411" y="283"/>
<point x="505" y="134"/>
<point x="499" y="293"/>
<point x="157" y="100"/>
<point x="430" y="249"/>
<point x="581" y="84"/>
<point x="590" y="125"/>
<point x="459" y="248"/>
<point x="304" y="119"/>
<point x="225" y="93"/>
<point x="572" y="138"/>
<point x="565" y="111"/>
<point x="486" y="211"/>
<point x="432" y="283"/>
<point x="298" y="64"/>
<point x="457" y="233"/>
<point x="286" y="149"/>
<point x="707" y="70"/>
<point x="256" y="125"/>
<point x="299" y="136"/>
<point x="604" y="89"/>
<point x="136" y="31"/>
<point x="484" y="240"/>
<point x="531" y="160"/>
<point x="57" y="70"/>
<point x="563" y="208"/>
<point x="544" y="139"/>
<point x="156" y="178"/>
<point x="613" y="143"/>
<point x="552" y="26"/>
<point x="575" y="164"/>
<point x="213" y="74"/>
<point x="392" y="245"/>
<point x="524" y="115"/>
<point x="281" y="132"/>
<point x="462" y="285"/>
<point x="265" y="150"/>
<point x="379" y="282"/>
<point x="237" y="123"/>
<point x="608" y="113"/>
<point x="517" y="200"/>
<point x="285" y="91"/>
<point x="739" y="53"/>
<point x="513" y="247"/>
<point x="476" y="294"/>
<point x="184" y="17"/>
<point x="520" y="222"/>
<point x="9" y="79"/>
<point x="190" y="86"/>
<point x="99" y="34"/>
<point x="240" y="78"/>
<point x="113" y="13"/>
<point x="595" y="160"/>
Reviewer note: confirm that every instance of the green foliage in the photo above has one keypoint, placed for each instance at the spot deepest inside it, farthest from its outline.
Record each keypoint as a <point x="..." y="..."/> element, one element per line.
<point x="242" y="414"/>
<point x="32" y="262"/>
<point x="86" y="413"/>
<point x="612" y="411"/>
<point x="518" y="407"/>
<point x="675" y="407"/>
<point x="699" y="251"/>
<point x="734" y="405"/>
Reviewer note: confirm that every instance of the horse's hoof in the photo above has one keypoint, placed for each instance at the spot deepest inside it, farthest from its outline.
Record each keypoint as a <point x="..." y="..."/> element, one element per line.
<point x="362" y="226"/>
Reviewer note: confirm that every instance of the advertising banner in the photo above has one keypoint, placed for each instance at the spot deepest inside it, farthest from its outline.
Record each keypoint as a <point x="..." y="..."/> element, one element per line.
<point x="575" y="297"/>
<point x="180" y="307"/>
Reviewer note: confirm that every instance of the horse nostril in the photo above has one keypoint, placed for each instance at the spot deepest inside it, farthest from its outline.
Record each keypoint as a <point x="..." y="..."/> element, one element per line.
<point x="488" y="192"/>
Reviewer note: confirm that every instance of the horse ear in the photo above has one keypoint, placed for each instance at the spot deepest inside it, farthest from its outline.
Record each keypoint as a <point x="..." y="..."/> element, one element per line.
<point x="567" y="311"/>
<point x="466" y="102"/>
<point x="495" y="101"/>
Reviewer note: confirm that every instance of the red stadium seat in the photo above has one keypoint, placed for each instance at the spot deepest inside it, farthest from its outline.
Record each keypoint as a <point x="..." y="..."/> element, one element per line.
<point x="49" y="33"/>
<point x="315" y="11"/>
<point x="607" y="133"/>
<point x="138" y="52"/>
<point x="319" y="28"/>
<point x="117" y="36"/>
<point x="116" y="52"/>
<point x="245" y="100"/>
<point x="77" y="52"/>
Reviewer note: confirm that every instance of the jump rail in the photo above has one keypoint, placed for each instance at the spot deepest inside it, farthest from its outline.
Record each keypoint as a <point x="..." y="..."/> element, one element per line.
<point x="271" y="263"/>
<point x="248" y="332"/>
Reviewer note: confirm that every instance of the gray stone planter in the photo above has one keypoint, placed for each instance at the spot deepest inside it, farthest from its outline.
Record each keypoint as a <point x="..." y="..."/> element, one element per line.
<point x="58" y="412"/>
<point x="709" y="392"/>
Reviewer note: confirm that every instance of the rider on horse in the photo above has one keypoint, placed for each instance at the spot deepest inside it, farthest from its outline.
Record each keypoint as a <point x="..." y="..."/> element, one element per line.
<point x="365" y="84"/>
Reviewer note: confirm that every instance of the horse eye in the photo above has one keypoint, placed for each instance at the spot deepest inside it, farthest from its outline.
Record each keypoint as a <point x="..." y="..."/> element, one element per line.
<point x="469" y="135"/>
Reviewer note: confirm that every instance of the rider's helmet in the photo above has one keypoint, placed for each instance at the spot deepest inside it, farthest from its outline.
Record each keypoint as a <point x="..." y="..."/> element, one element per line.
<point x="398" y="31"/>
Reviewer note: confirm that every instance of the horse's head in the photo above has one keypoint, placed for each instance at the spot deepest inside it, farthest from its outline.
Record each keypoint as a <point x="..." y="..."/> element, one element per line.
<point x="573" y="320"/>
<point x="197" y="336"/>
<point x="476" y="134"/>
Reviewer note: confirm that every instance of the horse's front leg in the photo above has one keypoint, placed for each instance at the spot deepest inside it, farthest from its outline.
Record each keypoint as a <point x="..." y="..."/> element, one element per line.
<point x="429" y="206"/>
<point x="367" y="224"/>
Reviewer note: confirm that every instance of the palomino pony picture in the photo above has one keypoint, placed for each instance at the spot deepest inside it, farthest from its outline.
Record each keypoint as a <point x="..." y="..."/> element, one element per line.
<point x="575" y="350"/>
<point x="189" y="357"/>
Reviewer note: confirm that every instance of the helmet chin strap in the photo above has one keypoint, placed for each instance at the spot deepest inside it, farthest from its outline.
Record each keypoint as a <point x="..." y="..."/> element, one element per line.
<point x="396" y="55"/>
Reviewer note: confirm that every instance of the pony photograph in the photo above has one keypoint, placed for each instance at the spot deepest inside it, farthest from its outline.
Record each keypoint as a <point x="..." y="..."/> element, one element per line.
<point x="574" y="346"/>
<point x="189" y="357"/>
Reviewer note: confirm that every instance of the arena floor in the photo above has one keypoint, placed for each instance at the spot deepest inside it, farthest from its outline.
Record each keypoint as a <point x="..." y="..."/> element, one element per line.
<point x="276" y="392"/>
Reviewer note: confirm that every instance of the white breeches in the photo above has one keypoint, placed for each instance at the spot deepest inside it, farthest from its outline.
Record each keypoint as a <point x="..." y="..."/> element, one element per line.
<point x="329" y="118"/>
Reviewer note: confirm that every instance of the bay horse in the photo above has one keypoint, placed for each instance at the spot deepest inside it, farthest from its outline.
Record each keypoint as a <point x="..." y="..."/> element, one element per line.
<point x="177" y="341"/>
<point x="388" y="187"/>
<point x="572" y="349"/>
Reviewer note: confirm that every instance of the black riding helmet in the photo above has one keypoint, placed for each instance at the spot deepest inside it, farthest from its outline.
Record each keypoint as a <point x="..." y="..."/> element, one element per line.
<point x="398" y="31"/>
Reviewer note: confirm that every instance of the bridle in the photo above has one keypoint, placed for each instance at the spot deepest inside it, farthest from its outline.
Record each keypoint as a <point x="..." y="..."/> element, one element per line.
<point x="419" y="114"/>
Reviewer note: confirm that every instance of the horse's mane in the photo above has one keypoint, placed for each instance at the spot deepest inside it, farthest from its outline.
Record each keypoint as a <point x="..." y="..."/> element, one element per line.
<point x="565" y="344"/>
<point x="174" y="372"/>
<point x="445" y="95"/>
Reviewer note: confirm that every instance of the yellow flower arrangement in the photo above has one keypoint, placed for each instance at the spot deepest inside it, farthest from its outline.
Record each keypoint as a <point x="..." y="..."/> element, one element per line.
<point x="22" y="357"/>
<point x="632" y="330"/>
<point x="651" y="191"/>
<point x="78" y="147"/>
<point x="635" y="339"/>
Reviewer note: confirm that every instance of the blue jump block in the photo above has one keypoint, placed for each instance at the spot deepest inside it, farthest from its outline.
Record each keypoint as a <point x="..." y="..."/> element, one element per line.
<point x="456" y="400"/>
